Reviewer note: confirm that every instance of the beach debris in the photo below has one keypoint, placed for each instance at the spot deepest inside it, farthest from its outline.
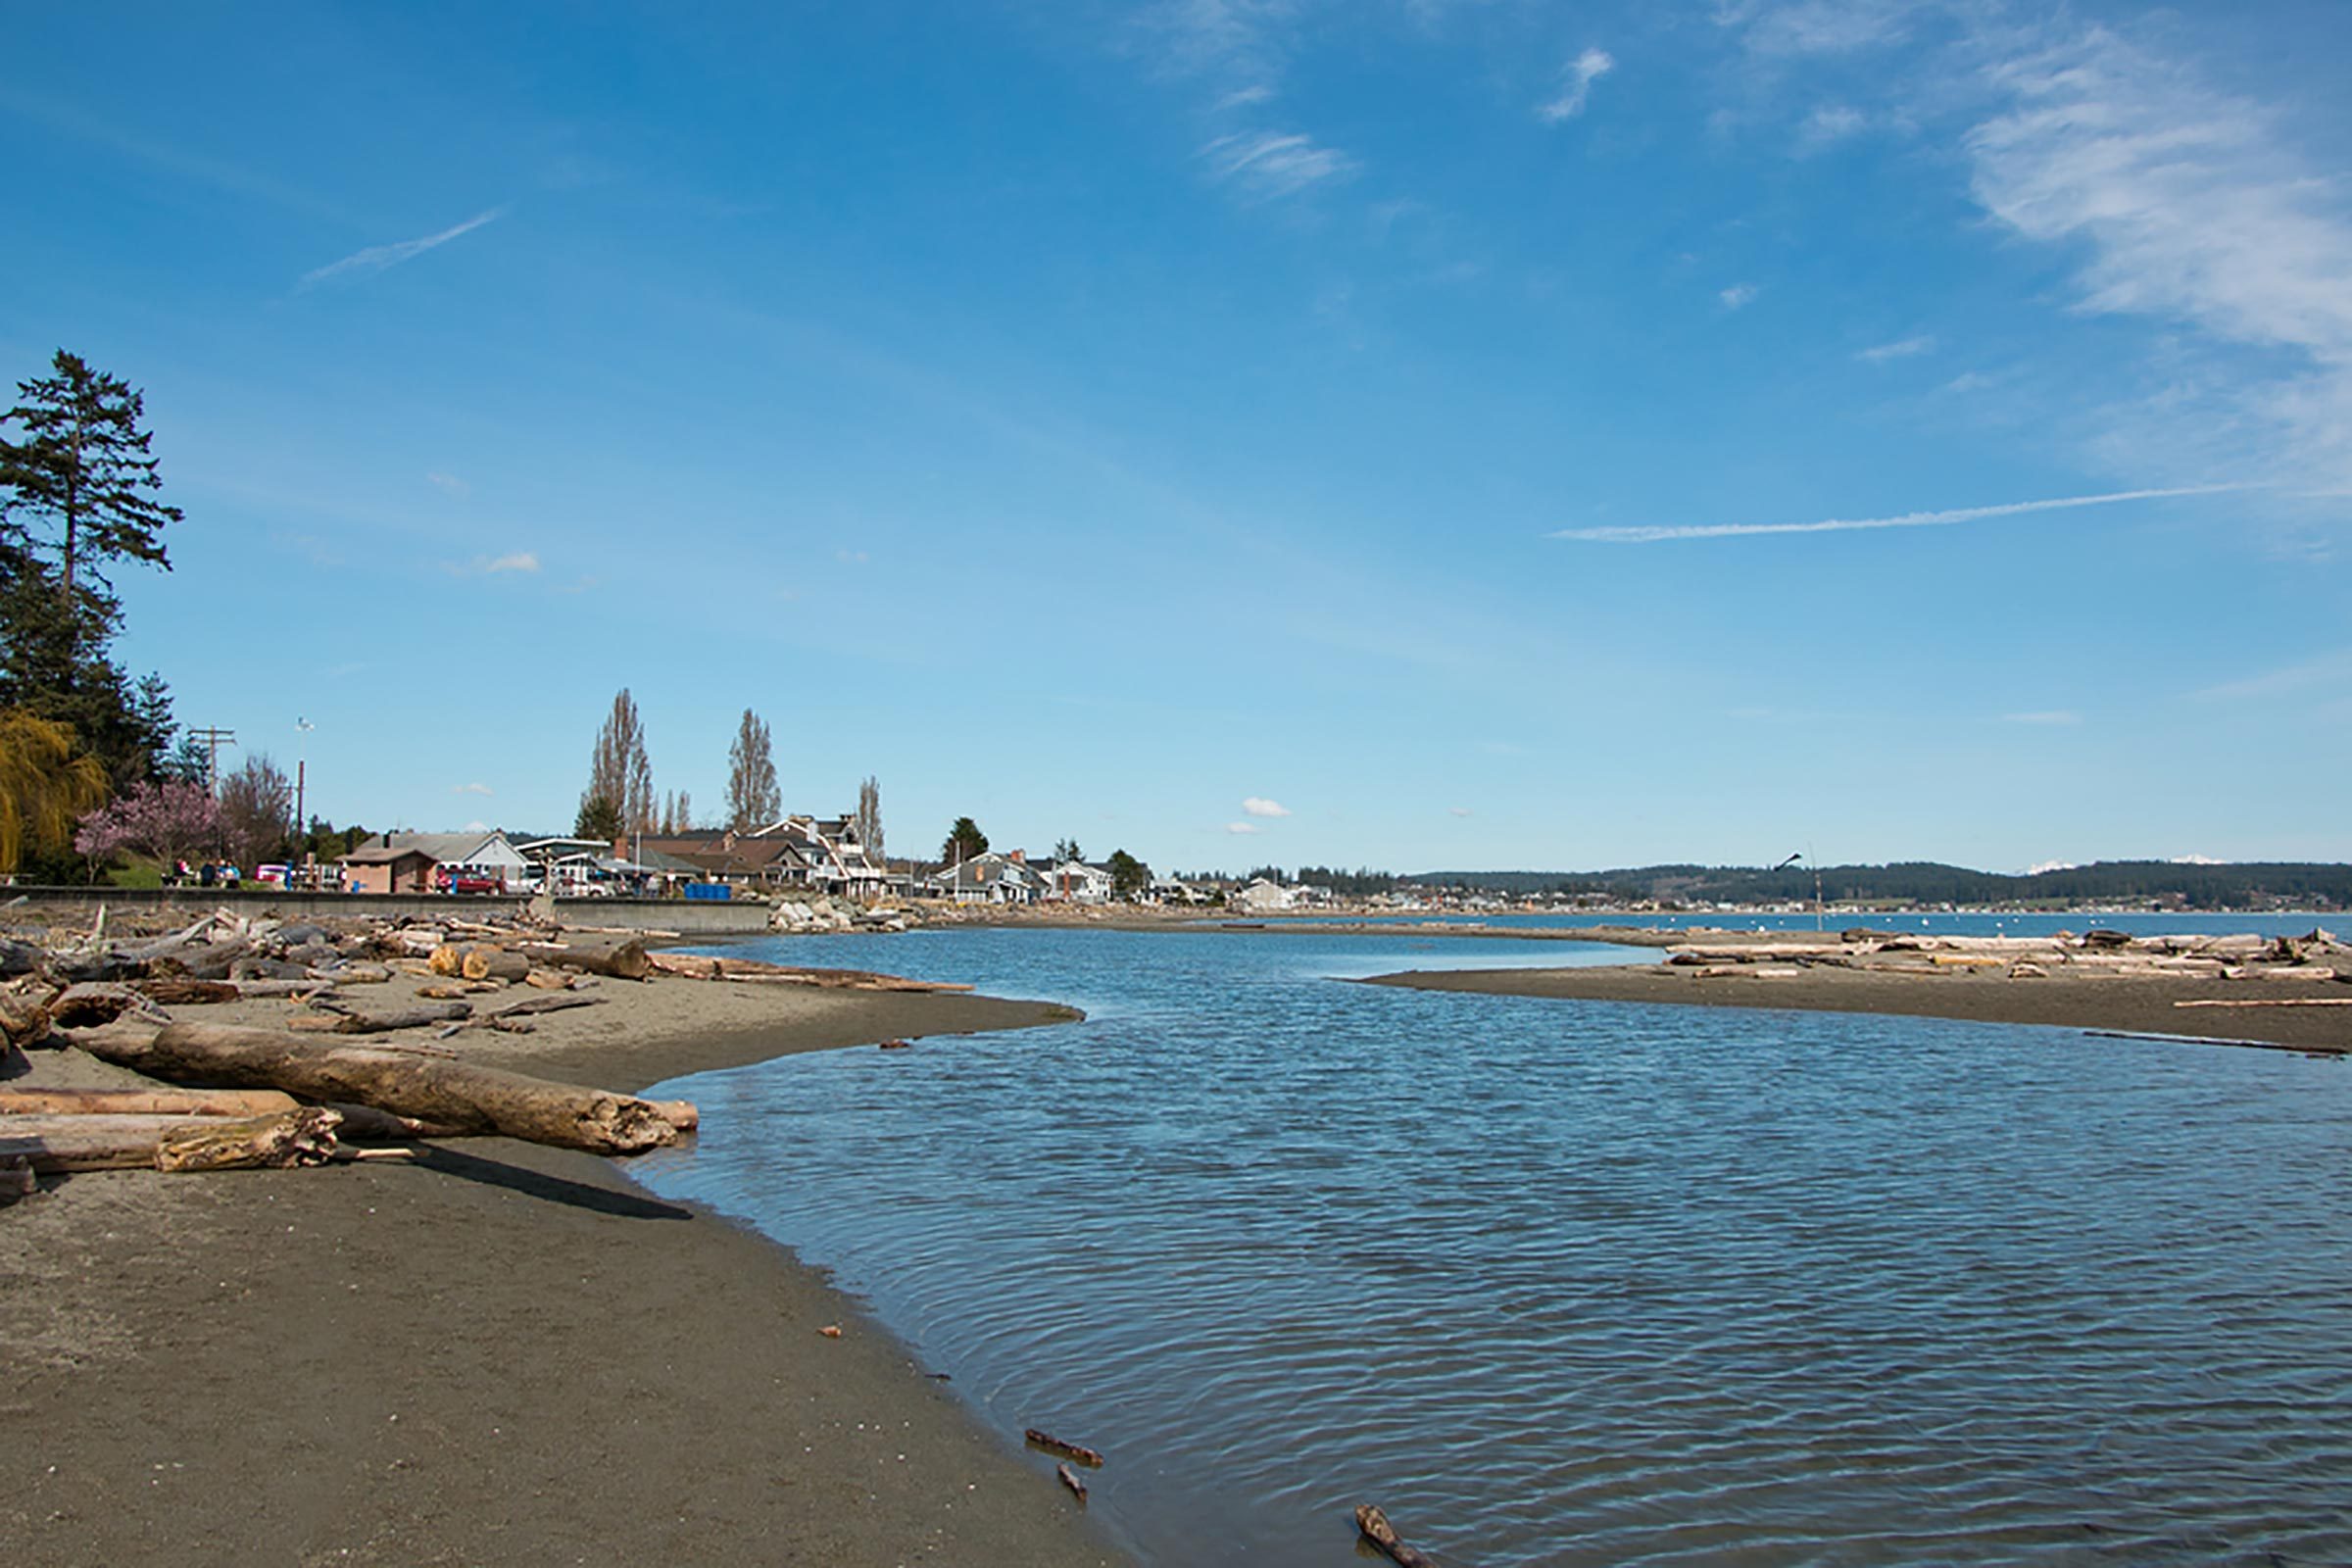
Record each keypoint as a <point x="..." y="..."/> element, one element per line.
<point x="1069" y="1479"/>
<point x="1077" y="1451"/>
<point x="159" y="1102"/>
<point x="303" y="1136"/>
<point x="831" y="1331"/>
<point x="2267" y="1002"/>
<point x="1376" y="1529"/>
<point x="18" y="1179"/>
<point x="406" y="1082"/>
<point x="341" y="1018"/>
<point x="897" y="1045"/>
<point x="703" y="967"/>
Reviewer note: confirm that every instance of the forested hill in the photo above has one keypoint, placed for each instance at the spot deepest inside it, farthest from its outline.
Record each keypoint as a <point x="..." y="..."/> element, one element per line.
<point x="2277" y="884"/>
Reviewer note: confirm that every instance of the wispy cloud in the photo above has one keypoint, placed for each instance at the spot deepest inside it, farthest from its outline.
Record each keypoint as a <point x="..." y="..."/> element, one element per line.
<point x="1241" y="827"/>
<point x="1647" y="534"/>
<point x="1259" y="806"/>
<point x="449" y="484"/>
<point x="2052" y="717"/>
<point x="1900" y="349"/>
<point x="471" y="788"/>
<point x="1457" y="810"/>
<point x="1270" y="165"/>
<point x="382" y="258"/>
<point x="1827" y="124"/>
<point x="2324" y="671"/>
<point x="1738" y="296"/>
<point x="2192" y="206"/>
<point x="492" y="565"/>
<point x="1816" y="27"/>
<point x="1582" y="72"/>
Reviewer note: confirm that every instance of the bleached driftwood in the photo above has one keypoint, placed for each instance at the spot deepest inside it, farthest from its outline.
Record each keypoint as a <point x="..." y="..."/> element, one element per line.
<point x="430" y="1087"/>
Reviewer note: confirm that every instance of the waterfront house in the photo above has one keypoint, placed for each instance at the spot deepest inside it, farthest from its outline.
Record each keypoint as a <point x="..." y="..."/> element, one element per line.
<point x="1076" y="882"/>
<point x="428" y="862"/>
<point x="1263" y="897"/>
<point x="831" y="858"/>
<point x="989" y="878"/>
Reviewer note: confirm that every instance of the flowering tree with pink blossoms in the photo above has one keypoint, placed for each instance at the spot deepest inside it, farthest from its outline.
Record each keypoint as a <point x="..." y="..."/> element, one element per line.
<point x="169" y="820"/>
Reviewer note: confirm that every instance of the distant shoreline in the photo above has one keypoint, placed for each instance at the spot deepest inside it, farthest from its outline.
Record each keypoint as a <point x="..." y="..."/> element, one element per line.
<point x="2136" y="1005"/>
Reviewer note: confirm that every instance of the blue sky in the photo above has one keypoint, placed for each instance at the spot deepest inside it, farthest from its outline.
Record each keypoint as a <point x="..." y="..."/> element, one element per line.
<point x="1476" y="434"/>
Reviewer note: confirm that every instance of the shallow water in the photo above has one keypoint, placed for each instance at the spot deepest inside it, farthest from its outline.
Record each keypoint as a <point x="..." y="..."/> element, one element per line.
<point x="1579" y="1283"/>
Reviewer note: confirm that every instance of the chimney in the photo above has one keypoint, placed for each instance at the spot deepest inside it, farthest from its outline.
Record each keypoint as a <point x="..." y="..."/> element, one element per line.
<point x="1019" y="857"/>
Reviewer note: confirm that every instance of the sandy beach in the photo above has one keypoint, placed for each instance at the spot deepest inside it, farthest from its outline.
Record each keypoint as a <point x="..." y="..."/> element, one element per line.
<point x="2134" y="1005"/>
<point x="501" y="1353"/>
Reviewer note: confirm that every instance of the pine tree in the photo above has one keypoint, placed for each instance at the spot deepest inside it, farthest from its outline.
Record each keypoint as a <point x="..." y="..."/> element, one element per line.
<point x="965" y="842"/>
<point x="754" y="798"/>
<point x="84" y="471"/>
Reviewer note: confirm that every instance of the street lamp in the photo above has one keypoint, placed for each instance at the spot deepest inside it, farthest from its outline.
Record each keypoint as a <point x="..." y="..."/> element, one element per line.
<point x="302" y="769"/>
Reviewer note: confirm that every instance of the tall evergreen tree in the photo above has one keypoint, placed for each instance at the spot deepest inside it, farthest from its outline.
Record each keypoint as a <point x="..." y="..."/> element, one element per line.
<point x="620" y="772"/>
<point x="965" y="842"/>
<point x="77" y="483"/>
<point x="79" y="480"/>
<point x="754" y="798"/>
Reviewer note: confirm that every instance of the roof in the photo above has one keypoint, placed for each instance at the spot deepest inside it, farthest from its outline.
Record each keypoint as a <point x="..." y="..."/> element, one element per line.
<point x="442" y="848"/>
<point x="377" y="855"/>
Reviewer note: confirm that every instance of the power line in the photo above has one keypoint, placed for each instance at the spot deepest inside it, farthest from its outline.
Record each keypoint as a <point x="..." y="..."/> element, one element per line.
<point x="214" y="739"/>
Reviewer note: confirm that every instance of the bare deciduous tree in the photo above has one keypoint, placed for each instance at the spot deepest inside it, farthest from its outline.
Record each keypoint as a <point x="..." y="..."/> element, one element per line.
<point x="869" y="819"/>
<point x="618" y="769"/>
<point x="257" y="812"/>
<point x="754" y="799"/>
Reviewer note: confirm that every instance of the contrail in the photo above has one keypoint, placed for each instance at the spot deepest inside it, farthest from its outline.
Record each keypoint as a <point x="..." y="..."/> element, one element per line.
<point x="1650" y="534"/>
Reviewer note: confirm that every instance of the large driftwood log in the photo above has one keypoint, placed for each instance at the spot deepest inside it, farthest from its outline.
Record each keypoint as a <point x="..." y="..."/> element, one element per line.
<point x="302" y="1137"/>
<point x="490" y="963"/>
<point x="622" y="957"/>
<point x="90" y="1002"/>
<point x="235" y="1103"/>
<point x="407" y="1083"/>
<point x="1378" y="1531"/>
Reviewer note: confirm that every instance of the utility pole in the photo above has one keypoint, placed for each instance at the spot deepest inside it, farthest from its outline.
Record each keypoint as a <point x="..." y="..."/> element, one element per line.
<point x="214" y="739"/>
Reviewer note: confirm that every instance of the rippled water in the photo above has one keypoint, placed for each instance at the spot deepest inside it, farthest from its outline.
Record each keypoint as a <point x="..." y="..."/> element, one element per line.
<point x="1570" y="1283"/>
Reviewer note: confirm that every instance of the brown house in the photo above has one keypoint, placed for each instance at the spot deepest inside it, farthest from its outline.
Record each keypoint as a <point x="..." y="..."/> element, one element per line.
<point x="381" y="869"/>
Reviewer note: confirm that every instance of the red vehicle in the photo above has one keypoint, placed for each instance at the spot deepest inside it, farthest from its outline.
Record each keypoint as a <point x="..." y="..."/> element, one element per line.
<point x="450" y="880"/>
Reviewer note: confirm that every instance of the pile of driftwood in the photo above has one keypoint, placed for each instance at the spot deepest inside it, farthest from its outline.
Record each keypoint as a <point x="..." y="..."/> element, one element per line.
<point x="225" y="1096"/>
<point x="2092" y="954"/>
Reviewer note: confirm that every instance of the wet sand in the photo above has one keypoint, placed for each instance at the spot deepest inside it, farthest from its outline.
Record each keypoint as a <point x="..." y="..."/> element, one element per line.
<point x="2133" y="1006"/>
<point x="501" y="1354"/>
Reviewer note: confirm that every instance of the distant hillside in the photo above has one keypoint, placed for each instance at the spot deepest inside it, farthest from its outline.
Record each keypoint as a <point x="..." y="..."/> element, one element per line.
<point x="2252" y="884"/>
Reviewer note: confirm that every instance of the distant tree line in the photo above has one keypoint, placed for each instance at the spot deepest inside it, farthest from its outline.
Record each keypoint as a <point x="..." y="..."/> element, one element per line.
<point x="2314" y="885"/>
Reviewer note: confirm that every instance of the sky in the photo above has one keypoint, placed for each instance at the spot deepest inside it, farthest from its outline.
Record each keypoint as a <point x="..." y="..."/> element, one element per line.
<point x="1422" y="434"/>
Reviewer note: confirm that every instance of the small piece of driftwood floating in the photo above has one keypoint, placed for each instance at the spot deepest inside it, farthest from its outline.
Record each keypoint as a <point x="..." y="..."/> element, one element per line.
<point x="1378" y="1531"/>
<point x="1068" y="1450"/>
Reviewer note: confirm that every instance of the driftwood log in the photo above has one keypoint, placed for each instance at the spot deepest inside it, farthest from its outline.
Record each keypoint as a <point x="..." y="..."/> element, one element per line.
<point x="24" y="1017"/>
<point x="1069" y="1479"/>
<point x="235" y="1103"/>
<point x="300" y="1137"/>
<point x="1378" y="1531"/>
<point x="698" y="966"/>
<point x="1067" y="1450"/>
<point x="491" y="963"/>
<point x="622" y="957"/>
<point x="340" y="1020"/>
<point x="429" y="1087"/>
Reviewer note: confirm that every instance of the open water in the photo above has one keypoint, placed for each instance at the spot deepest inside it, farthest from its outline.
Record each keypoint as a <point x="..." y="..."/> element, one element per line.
<point x="1577" y="1282"/>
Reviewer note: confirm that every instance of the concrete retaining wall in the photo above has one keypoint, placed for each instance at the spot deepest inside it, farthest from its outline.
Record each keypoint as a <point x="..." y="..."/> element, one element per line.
<point x="694" y="917"/>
